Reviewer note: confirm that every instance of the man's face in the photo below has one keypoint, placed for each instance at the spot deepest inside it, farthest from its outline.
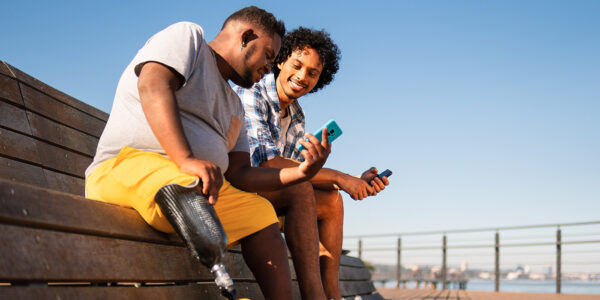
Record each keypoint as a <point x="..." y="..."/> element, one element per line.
<point x="299" y="73"/>
<point x="259" y="55"/>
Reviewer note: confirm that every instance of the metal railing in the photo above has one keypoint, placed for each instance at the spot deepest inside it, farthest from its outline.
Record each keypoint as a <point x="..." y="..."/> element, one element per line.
<point x="557" y="242"/>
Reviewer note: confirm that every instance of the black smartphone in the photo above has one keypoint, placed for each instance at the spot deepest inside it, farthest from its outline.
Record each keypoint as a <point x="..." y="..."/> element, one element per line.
<point x="386" y="173"/>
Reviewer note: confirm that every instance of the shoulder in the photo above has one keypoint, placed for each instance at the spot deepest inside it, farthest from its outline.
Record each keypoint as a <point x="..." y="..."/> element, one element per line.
<point x="185" y="28"/>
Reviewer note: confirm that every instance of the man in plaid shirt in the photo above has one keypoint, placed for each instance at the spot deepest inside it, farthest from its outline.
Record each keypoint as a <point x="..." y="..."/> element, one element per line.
<point x="307" y="61"/>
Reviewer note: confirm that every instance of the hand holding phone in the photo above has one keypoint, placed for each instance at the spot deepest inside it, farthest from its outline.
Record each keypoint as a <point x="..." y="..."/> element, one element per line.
<point x="333" y="132"/>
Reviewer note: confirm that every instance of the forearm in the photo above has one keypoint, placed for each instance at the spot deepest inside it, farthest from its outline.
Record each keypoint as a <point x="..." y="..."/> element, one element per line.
<point x="259" y="179"/>
<point x="324" y="179"/>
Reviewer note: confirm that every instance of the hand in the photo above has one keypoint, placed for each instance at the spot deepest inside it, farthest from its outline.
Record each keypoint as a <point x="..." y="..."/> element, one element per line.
<point x="315" y="154"/>
<point x="357" y="188"/>
<point x="209" y="174"/>
<point x="377" y="183"/>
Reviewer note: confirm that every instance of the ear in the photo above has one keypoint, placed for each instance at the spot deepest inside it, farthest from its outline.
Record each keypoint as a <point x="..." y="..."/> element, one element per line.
<point x="248" y="35"/>
<point x="280" y="65"/>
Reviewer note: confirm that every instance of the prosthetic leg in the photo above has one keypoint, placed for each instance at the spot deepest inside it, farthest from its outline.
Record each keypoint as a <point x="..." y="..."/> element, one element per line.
<point x="197" y="224"/>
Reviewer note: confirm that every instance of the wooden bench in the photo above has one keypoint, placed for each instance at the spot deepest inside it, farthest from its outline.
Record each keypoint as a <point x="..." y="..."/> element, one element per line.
<point x="55" y="244"/>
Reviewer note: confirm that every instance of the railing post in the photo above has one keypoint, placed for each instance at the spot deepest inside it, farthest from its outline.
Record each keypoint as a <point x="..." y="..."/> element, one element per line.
<point x="497" y="263"/>
<point x="558" y="260"/>
<point x="444" y="248"/>
<point x="360" y="248"/>
<point x="399" y="264"/>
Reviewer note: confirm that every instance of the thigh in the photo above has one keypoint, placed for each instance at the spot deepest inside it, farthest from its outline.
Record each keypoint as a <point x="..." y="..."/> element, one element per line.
<point x="132" y="178"/>
<point x="329" y="202"/>
<point x="301" y="194"/>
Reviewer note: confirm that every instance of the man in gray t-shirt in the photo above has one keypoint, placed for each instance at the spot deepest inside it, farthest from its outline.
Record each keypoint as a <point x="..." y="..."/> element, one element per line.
<point x="176" y="120"/>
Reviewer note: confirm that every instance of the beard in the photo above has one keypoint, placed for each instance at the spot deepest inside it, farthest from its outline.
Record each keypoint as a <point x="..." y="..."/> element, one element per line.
<point x="245" y="79"/>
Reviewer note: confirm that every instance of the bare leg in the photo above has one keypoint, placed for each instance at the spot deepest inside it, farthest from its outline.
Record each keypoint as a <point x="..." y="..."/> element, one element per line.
<point x="265" y="254"/>
<point x="298" y="205"/>
<point x="330" y="213"/>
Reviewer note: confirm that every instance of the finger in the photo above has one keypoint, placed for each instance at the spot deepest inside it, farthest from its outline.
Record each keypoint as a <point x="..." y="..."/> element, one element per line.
<point x="206" y="182"/>
<point x="308" y="157"/>
<point x="324" y="138"/>
<point x="312" y="140"/>
<point x="385" y="180"/>
<point x="373" y="170"/>
<point x="377" y="190"/>
<point x="315" y="149"/>
<point x="377" y="182"/>
<point x="370" y="190"/>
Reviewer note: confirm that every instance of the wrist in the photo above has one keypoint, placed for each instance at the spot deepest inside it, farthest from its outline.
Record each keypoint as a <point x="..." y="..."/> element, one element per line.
<point x="181" y="159"/>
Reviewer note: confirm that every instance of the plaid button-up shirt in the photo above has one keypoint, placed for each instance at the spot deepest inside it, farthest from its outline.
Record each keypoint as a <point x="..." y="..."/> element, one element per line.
<point x="263" y="116"/>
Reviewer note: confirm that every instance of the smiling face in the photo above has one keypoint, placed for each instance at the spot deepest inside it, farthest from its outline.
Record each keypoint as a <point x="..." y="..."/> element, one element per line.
<point x="298" y="74"/>
<point x="259" y="54"/>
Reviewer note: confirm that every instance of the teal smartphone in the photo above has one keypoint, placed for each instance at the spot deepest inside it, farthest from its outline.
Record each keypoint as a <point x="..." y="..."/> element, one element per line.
<point x="333" y="132"/>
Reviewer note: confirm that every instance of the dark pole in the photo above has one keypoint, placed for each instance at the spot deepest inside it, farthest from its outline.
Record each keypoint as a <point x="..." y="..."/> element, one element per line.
<point x="360" y="248"/>
<point x="399" y="264"/>
<point x="497" y="263"/>
<point x="444" y="248"/>
<point x="558" y="262"/>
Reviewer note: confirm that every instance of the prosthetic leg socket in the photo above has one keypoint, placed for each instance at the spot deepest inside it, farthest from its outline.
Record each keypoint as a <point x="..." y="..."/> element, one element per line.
<point x="196" y="222"/>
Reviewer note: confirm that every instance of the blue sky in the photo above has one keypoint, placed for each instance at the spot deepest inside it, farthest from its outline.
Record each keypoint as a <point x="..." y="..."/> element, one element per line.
<point x="487" y="112"/>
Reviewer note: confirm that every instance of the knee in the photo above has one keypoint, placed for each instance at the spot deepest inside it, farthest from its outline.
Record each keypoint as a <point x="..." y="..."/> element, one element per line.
<point x="329" y="203"/>
<point x="303" y="195"/>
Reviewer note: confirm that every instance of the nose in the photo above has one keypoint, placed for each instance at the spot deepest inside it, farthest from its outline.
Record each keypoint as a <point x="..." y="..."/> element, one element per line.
<point x="301" y="74"/>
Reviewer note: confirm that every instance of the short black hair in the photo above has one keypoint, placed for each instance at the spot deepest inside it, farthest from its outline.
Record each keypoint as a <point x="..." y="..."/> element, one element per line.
<point x="260" y="17"/>
<point x="320" y="41"/>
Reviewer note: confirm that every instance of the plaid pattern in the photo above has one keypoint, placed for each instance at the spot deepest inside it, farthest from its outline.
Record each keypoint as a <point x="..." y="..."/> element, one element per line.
<point x="263" y="115"/>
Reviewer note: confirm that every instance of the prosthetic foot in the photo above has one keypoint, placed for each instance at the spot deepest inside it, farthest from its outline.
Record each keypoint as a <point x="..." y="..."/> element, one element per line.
<point x="197" y="224"/>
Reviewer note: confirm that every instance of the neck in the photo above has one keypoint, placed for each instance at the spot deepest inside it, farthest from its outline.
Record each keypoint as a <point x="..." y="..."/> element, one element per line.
<point x="284" y="100"/>
<point x="224" y="67"/>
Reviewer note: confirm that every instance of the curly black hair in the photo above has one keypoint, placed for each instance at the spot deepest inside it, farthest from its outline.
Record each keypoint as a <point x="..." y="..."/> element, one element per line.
<point x="320" y="41"/>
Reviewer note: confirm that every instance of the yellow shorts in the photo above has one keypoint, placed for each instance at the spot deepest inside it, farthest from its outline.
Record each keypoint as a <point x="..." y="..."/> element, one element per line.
<point x="133" y="177"/>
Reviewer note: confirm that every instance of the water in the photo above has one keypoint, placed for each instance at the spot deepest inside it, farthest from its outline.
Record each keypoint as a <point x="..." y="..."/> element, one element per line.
<point x="537" y="286"/>
<point x="528" y="286"/>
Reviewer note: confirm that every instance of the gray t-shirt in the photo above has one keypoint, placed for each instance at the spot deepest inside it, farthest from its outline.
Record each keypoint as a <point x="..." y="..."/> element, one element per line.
<point x="211" y="112"/>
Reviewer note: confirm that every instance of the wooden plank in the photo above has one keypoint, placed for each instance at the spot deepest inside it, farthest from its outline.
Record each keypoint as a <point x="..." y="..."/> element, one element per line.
<point x="60" y="112"/>
<point x="22" y="147"/>
<point x="4" y="69"/>
<point x="351" y="261"/>
<point x="17" y="171"/>
<point x="13" y="117"/>
<point x="9" y="90"/>
<point x="16" y="145"/>
<point x="65" y="183"/>
<point x="194" y="291"/>
<point x="48" y="130"/>
<point x="63" y="160"/>
<point x="51" y="256"/>
<point x="52" y="92"/>
<point x="351" y="273"/>
<point x="55" y="210"/>
<point x="351" y="288"/>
